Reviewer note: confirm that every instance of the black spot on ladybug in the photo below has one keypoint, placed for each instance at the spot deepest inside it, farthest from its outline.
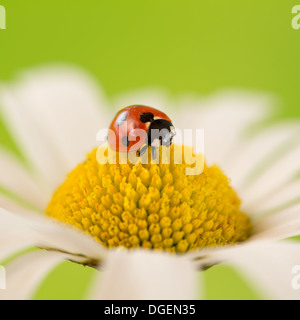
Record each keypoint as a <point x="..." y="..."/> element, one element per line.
<point x="121" y="119"/>
<point x="125" y="141"/>
<point x="147" y="117"/>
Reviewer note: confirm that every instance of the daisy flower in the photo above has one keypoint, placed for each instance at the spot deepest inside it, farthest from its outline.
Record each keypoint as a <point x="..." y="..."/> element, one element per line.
<point x="150" y="228"/>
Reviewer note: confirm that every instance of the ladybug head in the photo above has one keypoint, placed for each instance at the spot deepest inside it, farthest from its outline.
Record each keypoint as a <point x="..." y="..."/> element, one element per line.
<point x="162" y="130"/>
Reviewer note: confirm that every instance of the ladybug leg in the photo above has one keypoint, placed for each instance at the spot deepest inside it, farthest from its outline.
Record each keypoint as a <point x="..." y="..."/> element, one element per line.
<point x="153" y="152"/>
<point x="143" y="150"/>
<point x="155" y="143"/>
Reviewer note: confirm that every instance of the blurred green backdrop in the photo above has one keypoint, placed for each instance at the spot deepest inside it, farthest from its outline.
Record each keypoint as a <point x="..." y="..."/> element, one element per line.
<point x="190" y="45"/>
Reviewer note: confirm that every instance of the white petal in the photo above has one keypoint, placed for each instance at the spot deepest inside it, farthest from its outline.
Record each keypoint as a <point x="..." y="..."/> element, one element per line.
<point x="15" y="205"/>
<point x="225" y="118"/>
<point x="277" y="226"/>
<point x="54" y="113"/>
<point x="15" y="178"/>
<point x="14" y="235"/>
<point x="257" y="150"/>
<point x="267" y="266"/>
<point x="273" y="177"/>
<point x="47" y="233"/>
<point x="140" y="274"/>
<point x="12" y="244"/>
<point x="25" y="274"/>
<point x="276" y="199"/>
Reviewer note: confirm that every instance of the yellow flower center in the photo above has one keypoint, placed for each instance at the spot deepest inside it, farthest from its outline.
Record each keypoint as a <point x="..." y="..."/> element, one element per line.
<point x="155" y="206"/>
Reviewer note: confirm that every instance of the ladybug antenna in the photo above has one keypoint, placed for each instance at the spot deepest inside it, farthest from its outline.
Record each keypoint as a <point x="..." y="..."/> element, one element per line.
<point x="147" y="117"/>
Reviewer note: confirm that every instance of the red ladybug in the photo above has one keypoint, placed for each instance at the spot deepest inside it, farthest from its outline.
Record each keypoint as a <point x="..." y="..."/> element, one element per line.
<point x="133" y="129"/>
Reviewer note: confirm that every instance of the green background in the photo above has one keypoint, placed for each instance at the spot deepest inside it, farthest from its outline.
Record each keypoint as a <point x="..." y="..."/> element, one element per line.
<point x="190" y="45"/>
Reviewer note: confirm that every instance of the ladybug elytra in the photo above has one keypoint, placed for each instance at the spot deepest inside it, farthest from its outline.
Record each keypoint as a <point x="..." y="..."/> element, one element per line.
<point x="136" y="127"/>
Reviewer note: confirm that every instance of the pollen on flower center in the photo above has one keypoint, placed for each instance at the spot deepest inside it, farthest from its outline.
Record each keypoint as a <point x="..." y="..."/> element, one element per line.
<point x="155" y="206"/>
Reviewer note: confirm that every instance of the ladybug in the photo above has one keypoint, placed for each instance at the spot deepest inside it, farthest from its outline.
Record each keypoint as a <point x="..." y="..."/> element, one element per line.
<point x="136" y="127"/>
